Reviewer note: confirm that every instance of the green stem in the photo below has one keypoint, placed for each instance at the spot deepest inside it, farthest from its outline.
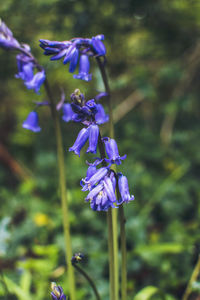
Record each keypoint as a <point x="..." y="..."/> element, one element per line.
<point x="193" y="278"/>
<point x="89" y="279"/>
<point x="112" y="213"/>
<point x="124" y="255"/>
<point x="63" y="189"/>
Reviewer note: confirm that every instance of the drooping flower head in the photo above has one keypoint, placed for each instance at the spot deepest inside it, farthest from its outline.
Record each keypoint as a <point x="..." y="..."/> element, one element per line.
<point x="26" y="66"/>
<point x="101" y="186"/>
<point x="7" y="40"/>
<point x="25" y="60"/>
<point x="31" y="123"/>
<point x="112" y="151"/>
<point x="76" y="51"/>
<point x="57" y="292"/>
<point x="124" y="189"/>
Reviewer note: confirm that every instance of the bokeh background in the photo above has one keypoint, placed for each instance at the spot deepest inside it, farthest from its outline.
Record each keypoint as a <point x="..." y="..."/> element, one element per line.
<point x="153" y="62"/>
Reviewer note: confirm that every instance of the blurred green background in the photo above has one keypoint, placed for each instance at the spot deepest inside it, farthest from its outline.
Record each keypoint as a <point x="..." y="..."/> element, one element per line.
<point x="153" y="62"/>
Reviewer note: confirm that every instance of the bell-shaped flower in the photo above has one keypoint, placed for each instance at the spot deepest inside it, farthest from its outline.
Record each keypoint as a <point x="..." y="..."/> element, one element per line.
<point x="57" y="292"/>
<point x="124" y="189"/>
<point x="100" y="116"/>
<point x="93" y="138"/>
<point x="26" y="73"/>
<point x="36" y="82"/>
<point x="92" y="105"/>
<point x="80" y="141"/>
<point x="109" y="188"/>
<point x="94" y="179"/>
<point x="102" y="196"/>
<point x="25" y="67"/>
<point x="84" y="68"/>
<point x="98" y="45"/>
<point x="31" y="123"/>
<point x="7" y="40"/>
<point x="67" y="112"/>
<point x="112" y="151"/>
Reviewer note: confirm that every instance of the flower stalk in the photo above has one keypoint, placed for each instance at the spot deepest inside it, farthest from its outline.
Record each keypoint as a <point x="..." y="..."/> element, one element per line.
<point x="89" y="279"/>
<point x="114" y="211"/>
<point x="63" y="190"/>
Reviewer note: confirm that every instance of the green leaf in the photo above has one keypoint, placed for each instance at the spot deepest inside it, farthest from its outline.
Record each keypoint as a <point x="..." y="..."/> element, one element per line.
<point x="17" y="290"/>
<point x="147" y="292"/>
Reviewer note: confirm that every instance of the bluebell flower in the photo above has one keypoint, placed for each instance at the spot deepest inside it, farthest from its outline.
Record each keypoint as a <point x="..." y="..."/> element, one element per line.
<point x="26" y="67"/>
<point x="31" y="123"/>
<point x="93" y="138"/>
<point x="102" y="196"/>
<point x="36" y="82"/>
<point x="90" y="182"/>
<point x="80" y="141"/>
<point x="7" y="40"/>
<point x="98" y="45"/>
<point x="84" y="68"/>
<point x="112" y="151"/>
<point x="67" y="112"/>
<point x="71" y="50"/>
<point x="124" y="189"/>
<point x="100" y="116"/>
<point x="57" y="292"/>
<point x="92" y="106"/>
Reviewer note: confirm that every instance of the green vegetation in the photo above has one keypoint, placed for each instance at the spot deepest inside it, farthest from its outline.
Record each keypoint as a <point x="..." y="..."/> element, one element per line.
<point x="154" y="64"/>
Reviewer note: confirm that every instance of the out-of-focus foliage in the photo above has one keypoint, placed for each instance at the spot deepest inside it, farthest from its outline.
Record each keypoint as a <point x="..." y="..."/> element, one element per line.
<point x="153" y="61"/>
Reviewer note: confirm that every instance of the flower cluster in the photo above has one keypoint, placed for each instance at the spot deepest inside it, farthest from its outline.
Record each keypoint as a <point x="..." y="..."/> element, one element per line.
<point x="77" y="50"/>
<point x="57" y="292"/>
<point x="26" y="63"/>
<point x="101" y="183"/>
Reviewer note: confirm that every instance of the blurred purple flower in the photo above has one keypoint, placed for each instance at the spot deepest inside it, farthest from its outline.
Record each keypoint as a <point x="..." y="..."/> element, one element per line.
<point x="57" y="292"/>
<point x="31" y="123"/>
<point x="7" y="40"/>
<point x="26" y="67"/>
<point x="100" y="116"/>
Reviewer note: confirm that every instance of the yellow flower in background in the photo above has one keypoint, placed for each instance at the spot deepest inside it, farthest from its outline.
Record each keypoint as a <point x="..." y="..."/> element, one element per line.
<point x="41" y="219"/>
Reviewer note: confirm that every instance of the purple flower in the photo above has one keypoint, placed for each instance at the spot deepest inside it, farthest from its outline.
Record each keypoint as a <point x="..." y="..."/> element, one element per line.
<point x="26" y="67"/>
<point x="102" y="196"/>
<point x="92" y="106"/>
<point x="112" y="151"/>
<point x="98" y="46"/>
<point x="93" y="138"/>
<point x="80" y="141"/>
<point x="100" y="116"/>
<point x="94" y="179"/>
<point x="57" y="292"/>
<point x="84" y="68"/>
<point x="101" y="95"/>
<point x="36" y="82"/>
<point x="124" y="189"/>
<point x="67" y="112"/>
<point x="72" y="57"/>
<point x="31" y="123"/>
<point x="7" y="40"/>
